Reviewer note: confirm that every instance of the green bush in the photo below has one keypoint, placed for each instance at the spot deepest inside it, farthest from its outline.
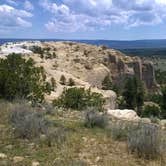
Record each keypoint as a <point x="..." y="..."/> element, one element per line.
<point x="71" y="82"/>
<point x="37" y="50"/>
<point x="151" y="110"/>
<point x="19" y="78"/>
<point x="107" y="83"/>
<point x="63" y="80"/>
<point x="79" y="99"/>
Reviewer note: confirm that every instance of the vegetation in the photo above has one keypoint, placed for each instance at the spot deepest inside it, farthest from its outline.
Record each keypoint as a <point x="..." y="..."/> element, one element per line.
<point x="151" y="110"/>
<point x="79" y="99"/>
<point x="143" y="144"/>
<point x="37" y="50"/>
<point x="107" y="83"/>
<point x="71" y="82"/>
<point x="27" y="123"/>
<point x="19" y="78"/>
<point x="134" y="94"/>
<point x="63" y="80"/>
<point x="94" y="119"/>
<point x="53" y="83"/>
<point x="71" y="142"/>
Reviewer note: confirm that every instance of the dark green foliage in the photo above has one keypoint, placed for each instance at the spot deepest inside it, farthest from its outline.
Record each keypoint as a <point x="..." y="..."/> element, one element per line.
<point x="134" y="94"/>
<point x="71" y="82"/>
<point x="163" y="105"/>
<point x="151" y="111"/>
<point x="161" y="77"/>
<point x="107" y="83"/>
<point x="63" y="80"/>
<point x="37" y="50"/>
<point x="94" y="119"/>
<point x="19" y="78"/>
<point x="79" y="99"/>
<point x="54" y="55"/>
<point x="130" y="93"/>
<point x="53" y="83"/>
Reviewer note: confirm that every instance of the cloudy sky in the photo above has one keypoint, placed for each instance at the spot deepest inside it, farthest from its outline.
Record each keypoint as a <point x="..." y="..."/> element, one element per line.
<point x="83" y="19"/>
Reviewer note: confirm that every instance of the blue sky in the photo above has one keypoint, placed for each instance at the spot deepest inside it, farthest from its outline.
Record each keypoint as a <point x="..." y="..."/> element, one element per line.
<point x="83" y="19"/>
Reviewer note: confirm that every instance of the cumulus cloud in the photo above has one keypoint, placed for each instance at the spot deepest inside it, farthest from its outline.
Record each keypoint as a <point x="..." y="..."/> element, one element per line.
<point x="74" y="15"/>
<point x="11" y="2"/>
<point x="28" y="5"/>
<point x="14" y="18"/>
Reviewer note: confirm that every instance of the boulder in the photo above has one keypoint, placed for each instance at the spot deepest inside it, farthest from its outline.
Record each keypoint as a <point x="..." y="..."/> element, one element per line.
<point x="125" y="114"/>
<point x="163" y="124"/>
<point x="3" y="156"/>
<point x="18" y="159"/>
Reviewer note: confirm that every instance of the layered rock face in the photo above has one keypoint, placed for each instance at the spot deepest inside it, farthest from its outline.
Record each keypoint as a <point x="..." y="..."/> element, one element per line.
<point x="122" y="66"/>
<point x="87" y="65"/>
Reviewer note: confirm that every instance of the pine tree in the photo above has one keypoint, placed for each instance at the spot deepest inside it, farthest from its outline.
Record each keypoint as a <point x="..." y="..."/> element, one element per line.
<point x="71" y="82"/>
<point x="107" y="83"/>
<point x="63" y="80"/>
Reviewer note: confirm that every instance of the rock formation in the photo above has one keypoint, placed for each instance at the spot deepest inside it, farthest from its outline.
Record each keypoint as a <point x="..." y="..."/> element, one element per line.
<point x="86" y="64"/>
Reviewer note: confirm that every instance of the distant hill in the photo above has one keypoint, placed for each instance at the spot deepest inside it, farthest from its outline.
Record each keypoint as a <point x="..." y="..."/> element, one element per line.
<point x="135" y="47"/>
<point x="135" y="44"/>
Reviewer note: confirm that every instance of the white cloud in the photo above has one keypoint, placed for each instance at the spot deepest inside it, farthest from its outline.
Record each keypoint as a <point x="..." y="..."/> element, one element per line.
<point x="28" y="5"/>
<point x="80" y="15"/>
<point x="11" y="18"/>
<point x="11" y="2"/>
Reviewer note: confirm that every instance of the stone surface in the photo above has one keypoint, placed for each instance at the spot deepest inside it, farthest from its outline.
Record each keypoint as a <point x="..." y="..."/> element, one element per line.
<point x="145" y="120"/>
<point x="3" y="156"/>
<point x="18" y="159"/>
<point x="129" y="115"/>
<point x="35" y="163"/>
<point x="163" y="123"/>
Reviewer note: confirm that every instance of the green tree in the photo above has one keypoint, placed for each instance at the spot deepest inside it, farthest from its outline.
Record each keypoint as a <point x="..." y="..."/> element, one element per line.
<point x="134" y="94"/>
<point x="19" y="78"/>
<point x="53" y="83"/>
<point x="163" y="102"/>
<point x="71" y="82"/>
<point x="63" y="80"/>
<point x="130" y="93"/>
<point x="107" y="83"/>
<point x="79" y="99"/>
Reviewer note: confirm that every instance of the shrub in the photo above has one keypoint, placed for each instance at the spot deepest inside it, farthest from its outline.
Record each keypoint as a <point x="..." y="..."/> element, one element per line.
<point x="71" y="82"/>
<point x="145" y="141"/>
<point x="63" y="80"/>
<point x="79" y="99"/>
<point x="27" y="123"/>
<point x="119" y="130"/>
<point x="54" y="136"/>
<point x="19" y="78"/>
<point x="151" y="110"/>
<point x="53" y="83"/>
<point x="37" y="50"/>
<point x="107" y="83"/>
<point x="94" y="119"/>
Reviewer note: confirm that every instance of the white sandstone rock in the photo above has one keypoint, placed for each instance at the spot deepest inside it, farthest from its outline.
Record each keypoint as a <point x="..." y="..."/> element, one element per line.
<point x="125" y="114"/>
<point x="3" y="156"/>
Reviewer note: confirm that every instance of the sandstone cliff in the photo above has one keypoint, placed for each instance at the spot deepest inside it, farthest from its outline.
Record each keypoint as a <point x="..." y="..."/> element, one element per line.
<point x="86" y="64"/>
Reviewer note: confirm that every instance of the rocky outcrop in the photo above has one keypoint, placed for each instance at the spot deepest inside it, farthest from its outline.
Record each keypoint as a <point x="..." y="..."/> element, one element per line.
<point x="87" y="65"/>
<point x="129" y="115"/>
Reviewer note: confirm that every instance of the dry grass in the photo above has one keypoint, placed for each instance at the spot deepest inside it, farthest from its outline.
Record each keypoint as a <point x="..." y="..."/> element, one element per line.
<point x="83" y="147"/>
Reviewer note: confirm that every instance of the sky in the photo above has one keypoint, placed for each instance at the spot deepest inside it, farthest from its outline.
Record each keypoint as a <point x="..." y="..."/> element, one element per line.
<point x="83" y="19"/>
